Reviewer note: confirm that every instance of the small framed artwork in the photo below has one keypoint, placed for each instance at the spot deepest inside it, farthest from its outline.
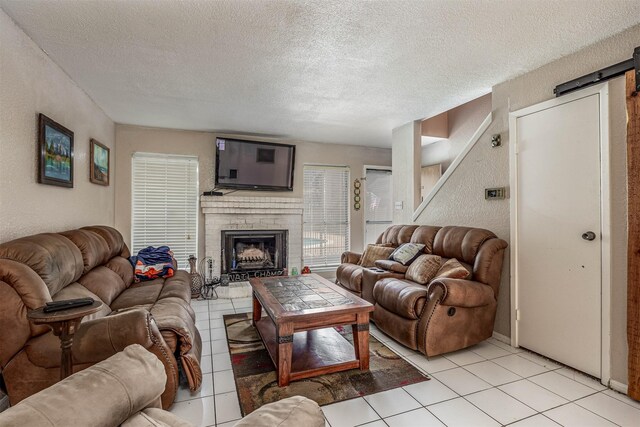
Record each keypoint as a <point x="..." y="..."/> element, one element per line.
<point x="55" y="153"/>
<point x="99" y="165"/>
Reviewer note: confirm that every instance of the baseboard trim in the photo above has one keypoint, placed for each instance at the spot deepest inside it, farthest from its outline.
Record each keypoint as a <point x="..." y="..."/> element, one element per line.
<point x="502" y="338"/>
<point x="619" y="387"/>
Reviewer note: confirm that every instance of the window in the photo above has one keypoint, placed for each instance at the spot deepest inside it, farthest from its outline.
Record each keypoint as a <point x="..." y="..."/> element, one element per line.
<point x="326" y="215"/>
<point x="164" y="203"/>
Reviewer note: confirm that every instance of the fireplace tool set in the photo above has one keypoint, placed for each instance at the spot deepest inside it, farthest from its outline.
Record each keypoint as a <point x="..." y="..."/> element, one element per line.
<point x="203" y="282"/>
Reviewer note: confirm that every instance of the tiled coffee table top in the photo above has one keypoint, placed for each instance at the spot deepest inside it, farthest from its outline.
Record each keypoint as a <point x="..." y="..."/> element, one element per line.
<point x="303" y="292"/>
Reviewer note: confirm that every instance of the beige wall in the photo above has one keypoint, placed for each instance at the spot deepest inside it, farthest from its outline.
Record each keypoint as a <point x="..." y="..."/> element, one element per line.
<point x="461" y="200"/>
<point x="463" y="121"/>
<point x="31" y="83"/>
<point x="406" y="171"/>
<point x="131" y="139"/>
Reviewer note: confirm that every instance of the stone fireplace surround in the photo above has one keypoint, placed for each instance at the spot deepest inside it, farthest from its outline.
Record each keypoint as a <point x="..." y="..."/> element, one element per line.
<point x="252" y="213"/>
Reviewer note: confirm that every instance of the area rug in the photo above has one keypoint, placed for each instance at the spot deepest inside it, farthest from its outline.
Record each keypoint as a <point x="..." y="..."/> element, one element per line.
<point x="256" y="381"/>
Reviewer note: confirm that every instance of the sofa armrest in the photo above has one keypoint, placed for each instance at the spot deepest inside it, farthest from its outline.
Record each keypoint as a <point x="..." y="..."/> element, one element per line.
<point x="290" y="412"/>
<point x="104" y="394"/>
<point x="98" y="339"/>
<point x="461" y="292"/>
<point x="349" y="257"/>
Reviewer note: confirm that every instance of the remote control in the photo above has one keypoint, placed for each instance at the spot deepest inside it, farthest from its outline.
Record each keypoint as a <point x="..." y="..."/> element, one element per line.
<point x="64" y="305"/>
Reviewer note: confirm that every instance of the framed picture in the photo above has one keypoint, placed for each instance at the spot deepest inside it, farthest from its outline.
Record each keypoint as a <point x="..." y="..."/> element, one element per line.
<point x="99" y="165"/>
<point x="55" y="153"/>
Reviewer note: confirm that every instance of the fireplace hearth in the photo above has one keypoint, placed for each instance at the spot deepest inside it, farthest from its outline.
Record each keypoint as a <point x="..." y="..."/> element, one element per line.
<point x="253" y="253"/>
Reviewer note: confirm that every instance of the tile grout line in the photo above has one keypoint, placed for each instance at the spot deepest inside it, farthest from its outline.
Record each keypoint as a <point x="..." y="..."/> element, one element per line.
<point x="464" y="397"/>
<point x="511" y="382"/>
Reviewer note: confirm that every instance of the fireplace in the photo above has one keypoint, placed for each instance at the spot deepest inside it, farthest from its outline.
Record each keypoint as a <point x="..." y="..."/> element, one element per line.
<point x="253" y="253"/>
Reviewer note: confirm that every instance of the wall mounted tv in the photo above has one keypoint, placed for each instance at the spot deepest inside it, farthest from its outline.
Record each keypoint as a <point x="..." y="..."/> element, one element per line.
<point x="253" y="165"/>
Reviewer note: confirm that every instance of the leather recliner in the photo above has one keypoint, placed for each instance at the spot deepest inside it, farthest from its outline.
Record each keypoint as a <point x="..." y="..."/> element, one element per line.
<point x="90" y="262"/>
<point x="446" y="314"/>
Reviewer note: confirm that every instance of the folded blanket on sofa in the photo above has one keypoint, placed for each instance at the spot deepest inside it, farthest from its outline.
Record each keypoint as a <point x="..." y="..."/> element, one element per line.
<point x="151" y="263"/>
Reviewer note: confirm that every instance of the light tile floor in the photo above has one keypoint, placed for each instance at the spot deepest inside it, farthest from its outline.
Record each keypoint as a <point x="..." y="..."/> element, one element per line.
<point x="490" y="384"/>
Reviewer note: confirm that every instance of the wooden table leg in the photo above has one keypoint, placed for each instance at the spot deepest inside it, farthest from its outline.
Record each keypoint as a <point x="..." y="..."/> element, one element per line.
<point x="361" y="340"/>
<point x="65" y="331"/>
<point x="257" y="309"/>
<point x="285" y="349"/>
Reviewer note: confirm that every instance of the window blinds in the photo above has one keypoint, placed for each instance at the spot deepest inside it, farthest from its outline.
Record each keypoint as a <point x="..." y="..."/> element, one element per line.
<point x="165" y="203"/>
<point x="326" y="215"/>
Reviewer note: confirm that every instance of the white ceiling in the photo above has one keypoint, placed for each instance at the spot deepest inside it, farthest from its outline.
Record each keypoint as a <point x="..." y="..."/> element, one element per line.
<point x="331" y="71"/>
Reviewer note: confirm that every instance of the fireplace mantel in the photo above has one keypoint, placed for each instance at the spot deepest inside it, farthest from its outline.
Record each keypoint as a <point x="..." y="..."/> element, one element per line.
<point x="252" y="213"/>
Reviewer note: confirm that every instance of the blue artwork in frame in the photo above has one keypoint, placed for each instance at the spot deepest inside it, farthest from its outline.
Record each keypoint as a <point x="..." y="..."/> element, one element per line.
<point x="55" y="153"/>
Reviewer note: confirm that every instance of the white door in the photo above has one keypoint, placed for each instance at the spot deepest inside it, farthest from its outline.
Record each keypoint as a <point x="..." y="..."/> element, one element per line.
<point x="378" y="209"/>
<point x="558" y="226"/>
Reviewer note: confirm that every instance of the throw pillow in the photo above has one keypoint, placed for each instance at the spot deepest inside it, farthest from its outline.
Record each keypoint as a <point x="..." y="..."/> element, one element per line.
<point x="407" y="252"/>
<point x="373" y="253"/>
<point x="423" y="269"/>
<point x="452" y="269"/>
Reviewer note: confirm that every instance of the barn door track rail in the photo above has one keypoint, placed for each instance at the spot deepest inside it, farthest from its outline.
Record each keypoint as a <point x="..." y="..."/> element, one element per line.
<point x="603" y="75"/>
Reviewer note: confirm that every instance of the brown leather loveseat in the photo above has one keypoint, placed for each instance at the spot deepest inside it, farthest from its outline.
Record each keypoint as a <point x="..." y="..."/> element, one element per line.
<point x="445" y="314"/>
<point x="90" y="262"/>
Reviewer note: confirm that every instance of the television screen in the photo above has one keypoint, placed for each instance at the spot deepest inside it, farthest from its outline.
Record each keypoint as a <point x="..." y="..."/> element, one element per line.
<point x="253" y="165"/>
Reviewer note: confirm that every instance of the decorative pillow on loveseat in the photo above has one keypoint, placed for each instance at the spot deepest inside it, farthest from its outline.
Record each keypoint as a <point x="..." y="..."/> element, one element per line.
<point x="424" y="268"/>
<point x="373" y="253"/>
<point x="407" y="252"/>
<point x="453" y="269"/>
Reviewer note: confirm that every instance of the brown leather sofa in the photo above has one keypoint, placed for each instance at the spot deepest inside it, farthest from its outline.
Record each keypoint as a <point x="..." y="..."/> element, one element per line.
<point x="90" y="262"/>
<point x="446" y="314"/>
<point x="123" y="400"/>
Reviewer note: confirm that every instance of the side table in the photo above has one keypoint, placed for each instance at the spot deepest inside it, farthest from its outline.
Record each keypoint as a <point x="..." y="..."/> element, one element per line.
<point x="64" y="324"/>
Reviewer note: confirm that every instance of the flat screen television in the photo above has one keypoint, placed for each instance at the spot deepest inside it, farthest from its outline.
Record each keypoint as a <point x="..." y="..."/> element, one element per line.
<point x="253" y="165"/>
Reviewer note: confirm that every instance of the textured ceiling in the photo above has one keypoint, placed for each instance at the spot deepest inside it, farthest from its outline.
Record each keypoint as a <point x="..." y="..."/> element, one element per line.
<point x="329" y="71"/>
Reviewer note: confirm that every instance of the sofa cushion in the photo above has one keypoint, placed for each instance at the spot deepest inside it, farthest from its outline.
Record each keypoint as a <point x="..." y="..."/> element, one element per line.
<point x="423" y="269"/>
<point x="350" y="277"/>
<point x="407" y="252"/>
<point x="146" y="293"/>
<point x="53" y="257"/>
<point x="462" y="243"/>
<point x="453" y="269"/>
<point x="391" y="265"/>
<point x="113" y="238"/>
<point x="425" y="234"/>
<point x="290" y="412"/>
<point x="76" y="290"/>
<point x="103" y="282"/>
<point x="397" y="234"/>
<point x="93" y="247"/>
<point x="402" y="297"/>
<point x="375" y="252"/>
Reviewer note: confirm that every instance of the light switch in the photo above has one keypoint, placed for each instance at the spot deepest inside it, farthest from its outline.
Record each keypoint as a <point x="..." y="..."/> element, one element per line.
<point x="494" y="193"/>
<point x="399" y="205"/>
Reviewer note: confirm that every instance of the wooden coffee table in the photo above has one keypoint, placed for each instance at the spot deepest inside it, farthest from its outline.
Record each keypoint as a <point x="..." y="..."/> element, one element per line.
<point x="299" y="330"/>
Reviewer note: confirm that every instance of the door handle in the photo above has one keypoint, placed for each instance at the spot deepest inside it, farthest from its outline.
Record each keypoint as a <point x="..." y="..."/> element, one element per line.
<point x="589" y="235"/>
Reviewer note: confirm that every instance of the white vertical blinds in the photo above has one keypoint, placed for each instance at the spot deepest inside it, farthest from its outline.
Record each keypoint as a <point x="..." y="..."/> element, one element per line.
<point x="164" y="203"/>
<point x="326" y="215"/>
<point x="378" y="207"/>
